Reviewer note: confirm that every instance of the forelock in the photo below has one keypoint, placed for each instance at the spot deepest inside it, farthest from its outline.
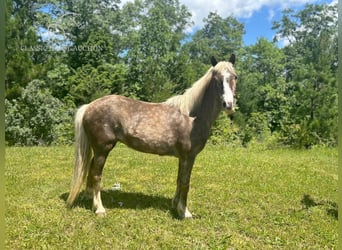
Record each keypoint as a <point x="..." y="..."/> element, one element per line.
<point x="222" y="67"/>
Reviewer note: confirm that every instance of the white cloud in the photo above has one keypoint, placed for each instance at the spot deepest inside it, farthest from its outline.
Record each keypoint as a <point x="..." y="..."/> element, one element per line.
<point x="334" y="2"/>
<point x="236" y="8"/>
<point x="285" y="41"/>
<point x="271" y="14"/>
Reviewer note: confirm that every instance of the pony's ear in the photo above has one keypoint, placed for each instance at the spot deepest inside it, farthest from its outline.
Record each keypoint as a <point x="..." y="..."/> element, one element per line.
<point x="213" y="61"/>
<point x="232" y="59"/>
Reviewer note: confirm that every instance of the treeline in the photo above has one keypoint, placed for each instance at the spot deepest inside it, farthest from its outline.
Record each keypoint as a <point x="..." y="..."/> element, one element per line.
<point x="62" y="54"/>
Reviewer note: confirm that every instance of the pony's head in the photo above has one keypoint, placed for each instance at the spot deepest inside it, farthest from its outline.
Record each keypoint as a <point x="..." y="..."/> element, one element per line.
<point x="225" y="73"/>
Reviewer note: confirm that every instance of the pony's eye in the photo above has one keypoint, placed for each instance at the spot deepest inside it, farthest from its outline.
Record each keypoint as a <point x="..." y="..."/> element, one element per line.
<point x="236" y="77"/>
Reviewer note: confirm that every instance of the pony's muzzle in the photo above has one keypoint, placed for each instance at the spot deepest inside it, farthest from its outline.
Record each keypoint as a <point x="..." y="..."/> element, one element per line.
<point x="229" y="107"/>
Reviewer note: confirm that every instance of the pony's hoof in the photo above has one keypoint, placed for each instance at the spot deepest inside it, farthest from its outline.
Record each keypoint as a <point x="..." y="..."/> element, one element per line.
<point x="187" y="214"/>
<point x="184" y="213"/>
<point x="100" y="214"/>
<point x="69" y="205"/>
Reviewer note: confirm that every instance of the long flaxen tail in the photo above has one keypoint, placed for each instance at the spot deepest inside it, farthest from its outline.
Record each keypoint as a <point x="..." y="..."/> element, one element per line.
<point x="83" y="154"/>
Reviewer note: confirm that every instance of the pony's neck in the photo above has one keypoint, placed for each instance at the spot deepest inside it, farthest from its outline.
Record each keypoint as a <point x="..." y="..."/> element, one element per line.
<point x="201" y="101"/>
<point x="210" y="106"/>
<point x="193" y="96"/>
<point x="205" y="115"/>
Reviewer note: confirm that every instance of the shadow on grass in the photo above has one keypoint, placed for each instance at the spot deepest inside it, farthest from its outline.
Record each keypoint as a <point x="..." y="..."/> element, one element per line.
<point x="125" y="200"/>
<point x="308" y="202"/>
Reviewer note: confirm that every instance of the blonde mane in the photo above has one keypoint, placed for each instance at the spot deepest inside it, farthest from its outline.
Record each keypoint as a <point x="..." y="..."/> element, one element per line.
<point x="193" y="95"/>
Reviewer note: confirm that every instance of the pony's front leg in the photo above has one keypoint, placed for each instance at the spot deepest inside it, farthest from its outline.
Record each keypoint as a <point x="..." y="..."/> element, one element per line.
<point x="179" y="201"/>
<point x="94" y="183"/>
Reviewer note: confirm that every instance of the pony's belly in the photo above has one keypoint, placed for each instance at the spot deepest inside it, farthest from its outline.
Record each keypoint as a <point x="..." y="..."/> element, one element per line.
<point x="150" y="145"/>
<point x="153" y="136"/>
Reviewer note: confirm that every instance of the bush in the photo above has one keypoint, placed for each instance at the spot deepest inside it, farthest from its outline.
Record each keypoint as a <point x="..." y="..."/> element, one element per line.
<point x="256" y="128"/>
<point x="16" y="132"/>
<point x="308" y="133"/>
<point x="36" y="117"/>
<point x="225" y="132"/>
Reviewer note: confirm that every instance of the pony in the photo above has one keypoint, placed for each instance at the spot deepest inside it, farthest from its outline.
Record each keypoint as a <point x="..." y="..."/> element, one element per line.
<point x="178" y="127"/>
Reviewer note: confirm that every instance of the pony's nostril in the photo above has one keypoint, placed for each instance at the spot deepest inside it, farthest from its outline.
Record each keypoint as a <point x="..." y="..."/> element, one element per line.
<point x="227" y="105"/>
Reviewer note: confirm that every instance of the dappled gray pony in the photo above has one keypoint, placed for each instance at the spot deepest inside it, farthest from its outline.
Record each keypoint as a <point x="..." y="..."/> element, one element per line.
<point x="178" y="127"/>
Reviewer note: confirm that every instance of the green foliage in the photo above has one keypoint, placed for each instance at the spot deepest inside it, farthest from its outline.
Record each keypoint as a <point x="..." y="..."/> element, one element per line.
<point x="31" y="119"/>
<point x="89" y="83"/>
<point x="308" y="132"/>
<point x="219" y="37"/>
<point x="311" y="73"/>
<point x="57" y="78"/>
<point x="262" y="87"/>
<point x="21" y="41"/>
<point x="17" y="133"/>
<point x="225" y="132"/>
<point x="153" y="55"/>
<point x="257" y="128"/>
<point x="62" y="54"/>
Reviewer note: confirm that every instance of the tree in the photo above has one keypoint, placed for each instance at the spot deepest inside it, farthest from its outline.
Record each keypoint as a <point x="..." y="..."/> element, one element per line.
<point x="310" y="70"/>
<point x="62" y="54"/>
<point x="24" y="49"/>
<point x="263" y="105"/>
<point x="219" y="37"/>
<point x="89" y="83"/>
<point x="155" y="48"/>
<point x="262" y="87"/>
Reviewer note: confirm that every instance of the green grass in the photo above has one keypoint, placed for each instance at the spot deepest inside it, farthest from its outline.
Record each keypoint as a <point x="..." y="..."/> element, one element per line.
<point x="241" y="199"/>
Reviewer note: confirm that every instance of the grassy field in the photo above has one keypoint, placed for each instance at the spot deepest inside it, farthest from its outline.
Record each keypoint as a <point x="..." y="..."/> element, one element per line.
<point x="241" y="199"/>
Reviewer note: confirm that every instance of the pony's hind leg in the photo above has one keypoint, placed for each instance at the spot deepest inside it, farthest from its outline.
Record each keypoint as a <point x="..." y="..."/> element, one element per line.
<point x="88" y="194"/>
<point x="179" y="201"/>
<point x="94" y="182"/>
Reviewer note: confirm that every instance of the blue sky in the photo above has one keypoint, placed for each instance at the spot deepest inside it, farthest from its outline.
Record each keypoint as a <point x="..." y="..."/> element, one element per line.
<point x="259" y="24"/>
<point x="256" y="15"/>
